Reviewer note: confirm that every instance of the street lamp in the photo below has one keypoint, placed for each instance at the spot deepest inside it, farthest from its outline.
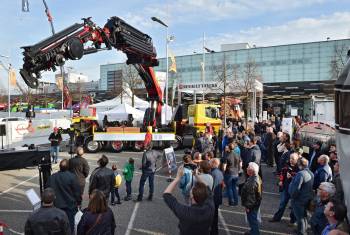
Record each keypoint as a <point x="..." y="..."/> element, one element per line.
<point x="168" y="39"/>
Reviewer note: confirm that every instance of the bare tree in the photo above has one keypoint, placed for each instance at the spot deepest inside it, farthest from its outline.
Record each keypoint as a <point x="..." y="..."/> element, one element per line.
<point x="132" y="80"/>
<point x="223" y="74"/>
<point x="338" y="60"/>
<point x="244" y="80"/>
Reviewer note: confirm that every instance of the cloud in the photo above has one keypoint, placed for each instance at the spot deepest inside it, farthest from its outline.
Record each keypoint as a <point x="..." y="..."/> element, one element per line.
<point x="334" y="26"/>
<point x="211" y="10"/>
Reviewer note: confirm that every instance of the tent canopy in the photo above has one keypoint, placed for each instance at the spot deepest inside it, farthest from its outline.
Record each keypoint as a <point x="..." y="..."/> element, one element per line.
<point x="124" y="97"/>
<point x="121" y="112"/>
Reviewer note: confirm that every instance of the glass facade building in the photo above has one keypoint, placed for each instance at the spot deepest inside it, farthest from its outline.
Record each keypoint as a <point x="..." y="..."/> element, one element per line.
<point x="304" y="62"/>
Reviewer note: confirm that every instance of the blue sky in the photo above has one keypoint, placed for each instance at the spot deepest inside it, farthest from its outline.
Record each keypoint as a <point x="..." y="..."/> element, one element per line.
<point x="259" y="22"/>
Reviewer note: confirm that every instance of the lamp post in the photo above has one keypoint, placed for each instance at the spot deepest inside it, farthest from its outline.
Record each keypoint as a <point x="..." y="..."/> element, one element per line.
<point x="167" y="62"/>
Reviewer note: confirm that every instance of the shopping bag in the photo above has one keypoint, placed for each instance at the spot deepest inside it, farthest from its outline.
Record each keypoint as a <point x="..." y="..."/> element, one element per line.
<point x="77" y="219"/>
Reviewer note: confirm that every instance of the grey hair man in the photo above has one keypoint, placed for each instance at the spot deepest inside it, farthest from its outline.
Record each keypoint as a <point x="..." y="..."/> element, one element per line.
<point x="251" y="196"/>
<point x="300" y="191"/>
<point x="318" y="219"/>
<point x="323" y="172"/>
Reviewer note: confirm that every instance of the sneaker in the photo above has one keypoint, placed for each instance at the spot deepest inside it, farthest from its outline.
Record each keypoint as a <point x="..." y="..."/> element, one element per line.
<point x="127" y="198"/>
<point x="112" y="203"/>
<point x="292" y="224"/>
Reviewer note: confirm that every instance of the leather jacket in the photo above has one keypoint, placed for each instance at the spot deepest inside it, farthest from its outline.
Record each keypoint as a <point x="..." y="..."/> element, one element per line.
<point x="102" y="178"/>
<point x="47" y="220"/>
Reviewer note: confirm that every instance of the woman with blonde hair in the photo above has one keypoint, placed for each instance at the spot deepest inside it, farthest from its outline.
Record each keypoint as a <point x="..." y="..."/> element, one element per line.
<point x="97" y="218"/>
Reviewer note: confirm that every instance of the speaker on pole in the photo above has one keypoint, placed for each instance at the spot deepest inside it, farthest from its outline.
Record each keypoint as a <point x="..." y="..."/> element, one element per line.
<point x="2" y="130"/>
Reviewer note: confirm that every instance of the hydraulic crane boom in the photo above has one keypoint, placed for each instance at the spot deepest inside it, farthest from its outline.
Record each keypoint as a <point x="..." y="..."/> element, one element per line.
<point x="70" y="44"/>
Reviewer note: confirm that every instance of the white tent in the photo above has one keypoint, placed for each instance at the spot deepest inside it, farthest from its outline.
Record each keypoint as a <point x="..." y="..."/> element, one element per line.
<point x="125" y="98"/>
<point x="121" y="112"/>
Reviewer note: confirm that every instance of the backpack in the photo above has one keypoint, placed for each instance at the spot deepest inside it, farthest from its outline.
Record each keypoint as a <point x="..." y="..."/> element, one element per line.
<point x="185" y="183"/>
<point x="118" y="180"/>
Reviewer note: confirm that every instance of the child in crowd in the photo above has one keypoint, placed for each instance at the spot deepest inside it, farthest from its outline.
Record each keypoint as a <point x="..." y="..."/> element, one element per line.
<point x="128" y="173"/>
<point x="118" y="182"/>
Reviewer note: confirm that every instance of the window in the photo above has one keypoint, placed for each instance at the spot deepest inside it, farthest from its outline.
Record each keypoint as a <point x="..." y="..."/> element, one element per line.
<point x="211" y="112"/>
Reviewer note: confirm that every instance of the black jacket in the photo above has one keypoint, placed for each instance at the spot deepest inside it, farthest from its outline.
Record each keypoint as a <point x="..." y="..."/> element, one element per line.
<point x="47" y="220"/>
<point x="55" y="139"/>
<point x="79" y="167"/>
<point x="251" y="193"/>
<point x="218" y="178"/>
<point x="67" y="189"/>
<point x="313" y="165"/>
<point x="253" y="155"/>
<point x="103" y="179"/>
<point x="195" y="219"/>
<point x="104" y="226"/>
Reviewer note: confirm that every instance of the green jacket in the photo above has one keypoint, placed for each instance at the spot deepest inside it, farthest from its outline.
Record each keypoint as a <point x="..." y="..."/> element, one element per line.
<point x="128" y="171"/>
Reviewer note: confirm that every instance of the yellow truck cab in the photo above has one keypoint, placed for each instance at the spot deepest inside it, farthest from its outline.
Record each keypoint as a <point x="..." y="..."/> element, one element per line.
<point x="201" y="114"/>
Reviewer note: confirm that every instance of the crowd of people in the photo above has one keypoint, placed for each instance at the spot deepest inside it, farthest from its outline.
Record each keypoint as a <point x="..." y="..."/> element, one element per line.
<point x="228" y="163"/>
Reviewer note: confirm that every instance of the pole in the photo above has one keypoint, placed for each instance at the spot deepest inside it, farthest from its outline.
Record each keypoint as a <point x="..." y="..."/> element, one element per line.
<point x="203" y="73"/>
<point x="49" y="18"/>
<point x="9" y="92"/>
<point x="167" y="74"/>
<point x="225" y="92"/>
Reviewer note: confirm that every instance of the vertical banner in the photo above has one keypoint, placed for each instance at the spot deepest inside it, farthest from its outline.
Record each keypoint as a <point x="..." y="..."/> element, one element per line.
<point x="172" y="67"/>
<point x="161" y="77"/>
<point x="12" y="77"/>
<point x="59" y="82"/>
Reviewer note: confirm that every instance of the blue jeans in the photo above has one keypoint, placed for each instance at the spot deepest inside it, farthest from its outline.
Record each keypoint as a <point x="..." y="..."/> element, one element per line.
<point x="70" y="212"/>
<point x="115" y="193"/>
<point x="299" y="211"/>
<point x="252" y="217"/>
<point x="54" y="152"/>
<point x="284" y="199"/>
<point x="231" y="188"/>
<point x="128" y="188"/>
<point x="144" y="176"/>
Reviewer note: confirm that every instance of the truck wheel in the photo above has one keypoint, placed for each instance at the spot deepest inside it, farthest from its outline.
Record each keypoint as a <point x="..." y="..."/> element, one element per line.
<point x="177" y="143"/>
<point x="117" y="146"/>
<point x="92" y="146"/>
<point x="138" y="146"/>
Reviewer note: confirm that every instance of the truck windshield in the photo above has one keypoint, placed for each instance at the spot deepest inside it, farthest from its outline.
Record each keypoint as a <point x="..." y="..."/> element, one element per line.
<point x="211" y="112"/>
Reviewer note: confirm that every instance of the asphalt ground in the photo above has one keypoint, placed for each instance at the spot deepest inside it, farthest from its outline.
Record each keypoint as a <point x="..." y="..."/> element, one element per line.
<point x="146" y="217"/>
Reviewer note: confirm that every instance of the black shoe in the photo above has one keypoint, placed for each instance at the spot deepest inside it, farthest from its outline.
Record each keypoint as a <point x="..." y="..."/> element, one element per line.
<point x="273" y="220"/>
<point x="112" y="203"/>
<point x="118" y="202"/>
<point x="139" y="198"/>
<point x="127" y="198"/>
<point x="150" y="197"/>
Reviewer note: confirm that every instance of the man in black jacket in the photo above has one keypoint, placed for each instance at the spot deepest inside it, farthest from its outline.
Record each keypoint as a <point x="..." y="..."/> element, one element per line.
<point x="67" y="190"/>
<point x="313" y="156"/>
<point x="148" y="167"/>
<point x="102" y="178"/>
<point x="48" y="219"/>
<point x="197" y="218"/>
<point x="218" y="179"/>
<point x="80" y="167"/>
<point x="251" y="197"/>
